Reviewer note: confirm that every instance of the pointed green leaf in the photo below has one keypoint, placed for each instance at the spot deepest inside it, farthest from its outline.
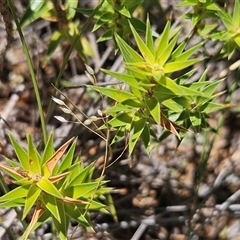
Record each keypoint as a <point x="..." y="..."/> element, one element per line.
<point x="146" y="53"/>
<point x="31" y="199"/>
<point x="35" y="11"/>
<point x="124" y="11"/>
<point x="209" y="90"/>
<point x="71" y="8"/>
<point x="115" y="94"/>
<point x="62" y="227"/>
<point x="128" y="53"/>
<point x="176" y="66"/>
<point x="178" y="50"/>
<point x="176" y="89"/>
<point x="48" y="187"/>
<point x="74" y="171"/>
<point x="172" y="105"/>
<point x="106" y="36"/>
<point x="102" y="20"/>
<point x="162" y="41"/>
<point x="137" y="127"/>
<point x="85" y="190"/>
<point x="149" y="38"/>
<point x="162" y="58"/>
<point x="50" y="203"/>
<point x="129" y="79"/>
<point x="48" y="150"/>
<point x="33" y="157"/>
<point x="75" y="213"/>
<point x="236" y="15"/>
<point x="82" y="176"/>
<point x="187" y="54"/>
<point x="145" y="136"/>
<point x="17" y="202"/>
<point x="19" y="192"/>
<point x="20" y="152"/>
<point x="153" y="107"/>
<point x="121" y="119"/>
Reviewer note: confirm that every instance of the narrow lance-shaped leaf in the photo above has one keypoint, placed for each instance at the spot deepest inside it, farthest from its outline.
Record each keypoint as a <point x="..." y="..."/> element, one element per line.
<point x="149" y="38"/>
<point x="48" y="187"/>
<point x="236" y="15"/>
<point x="19" y="192"/>
<point x="187" y="54"/>
<point x="48" y="150"/>
<point x="33" y="158"/>
<point x="115" y="94"/>
<point x="138" y="127"/>
<point x="31" y="199"/>
<point x="128" y="53"/>
<point x="62" y="226"/>
<point x="51" y="204"/>
<point x="154" y="108"/>
<point x="20" y="152"/>
<point x="129" y="79"/>
<point x="176" y="66"/>
<point x="146" y="53"/>
<point x="162" y="42"/>
<point x="162" y="59"/>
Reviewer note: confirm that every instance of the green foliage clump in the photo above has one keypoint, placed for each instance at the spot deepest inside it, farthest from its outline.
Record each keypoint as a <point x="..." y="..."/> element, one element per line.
<point x="57" y="185"/>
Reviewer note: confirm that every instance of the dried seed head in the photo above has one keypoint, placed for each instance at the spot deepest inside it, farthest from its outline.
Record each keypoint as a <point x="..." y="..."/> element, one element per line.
<point x="93" y="118"/>
<point x="58" y="101"/>
<point x="89" y="69"/>
<point x="61" y="119"/>
<point x="99" y="112"/>
<point x="88" y="121"/>
<point x="90" y="77"/>
<point x="65" y="110"/>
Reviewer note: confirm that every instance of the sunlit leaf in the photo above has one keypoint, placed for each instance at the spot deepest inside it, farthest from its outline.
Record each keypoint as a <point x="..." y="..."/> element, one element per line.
<point x="48" y="187"/>
<point x="18" y="192"/>
<point x="128" y="53"/>
<point x="146" y="53"/>
<point x="115" y="94"/>
<point x="20" y="152"/>
<point x="33" y="157"/>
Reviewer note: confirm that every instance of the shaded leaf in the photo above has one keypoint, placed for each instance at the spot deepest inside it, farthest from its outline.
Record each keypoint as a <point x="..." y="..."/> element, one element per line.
<point x="31" y="199"/>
